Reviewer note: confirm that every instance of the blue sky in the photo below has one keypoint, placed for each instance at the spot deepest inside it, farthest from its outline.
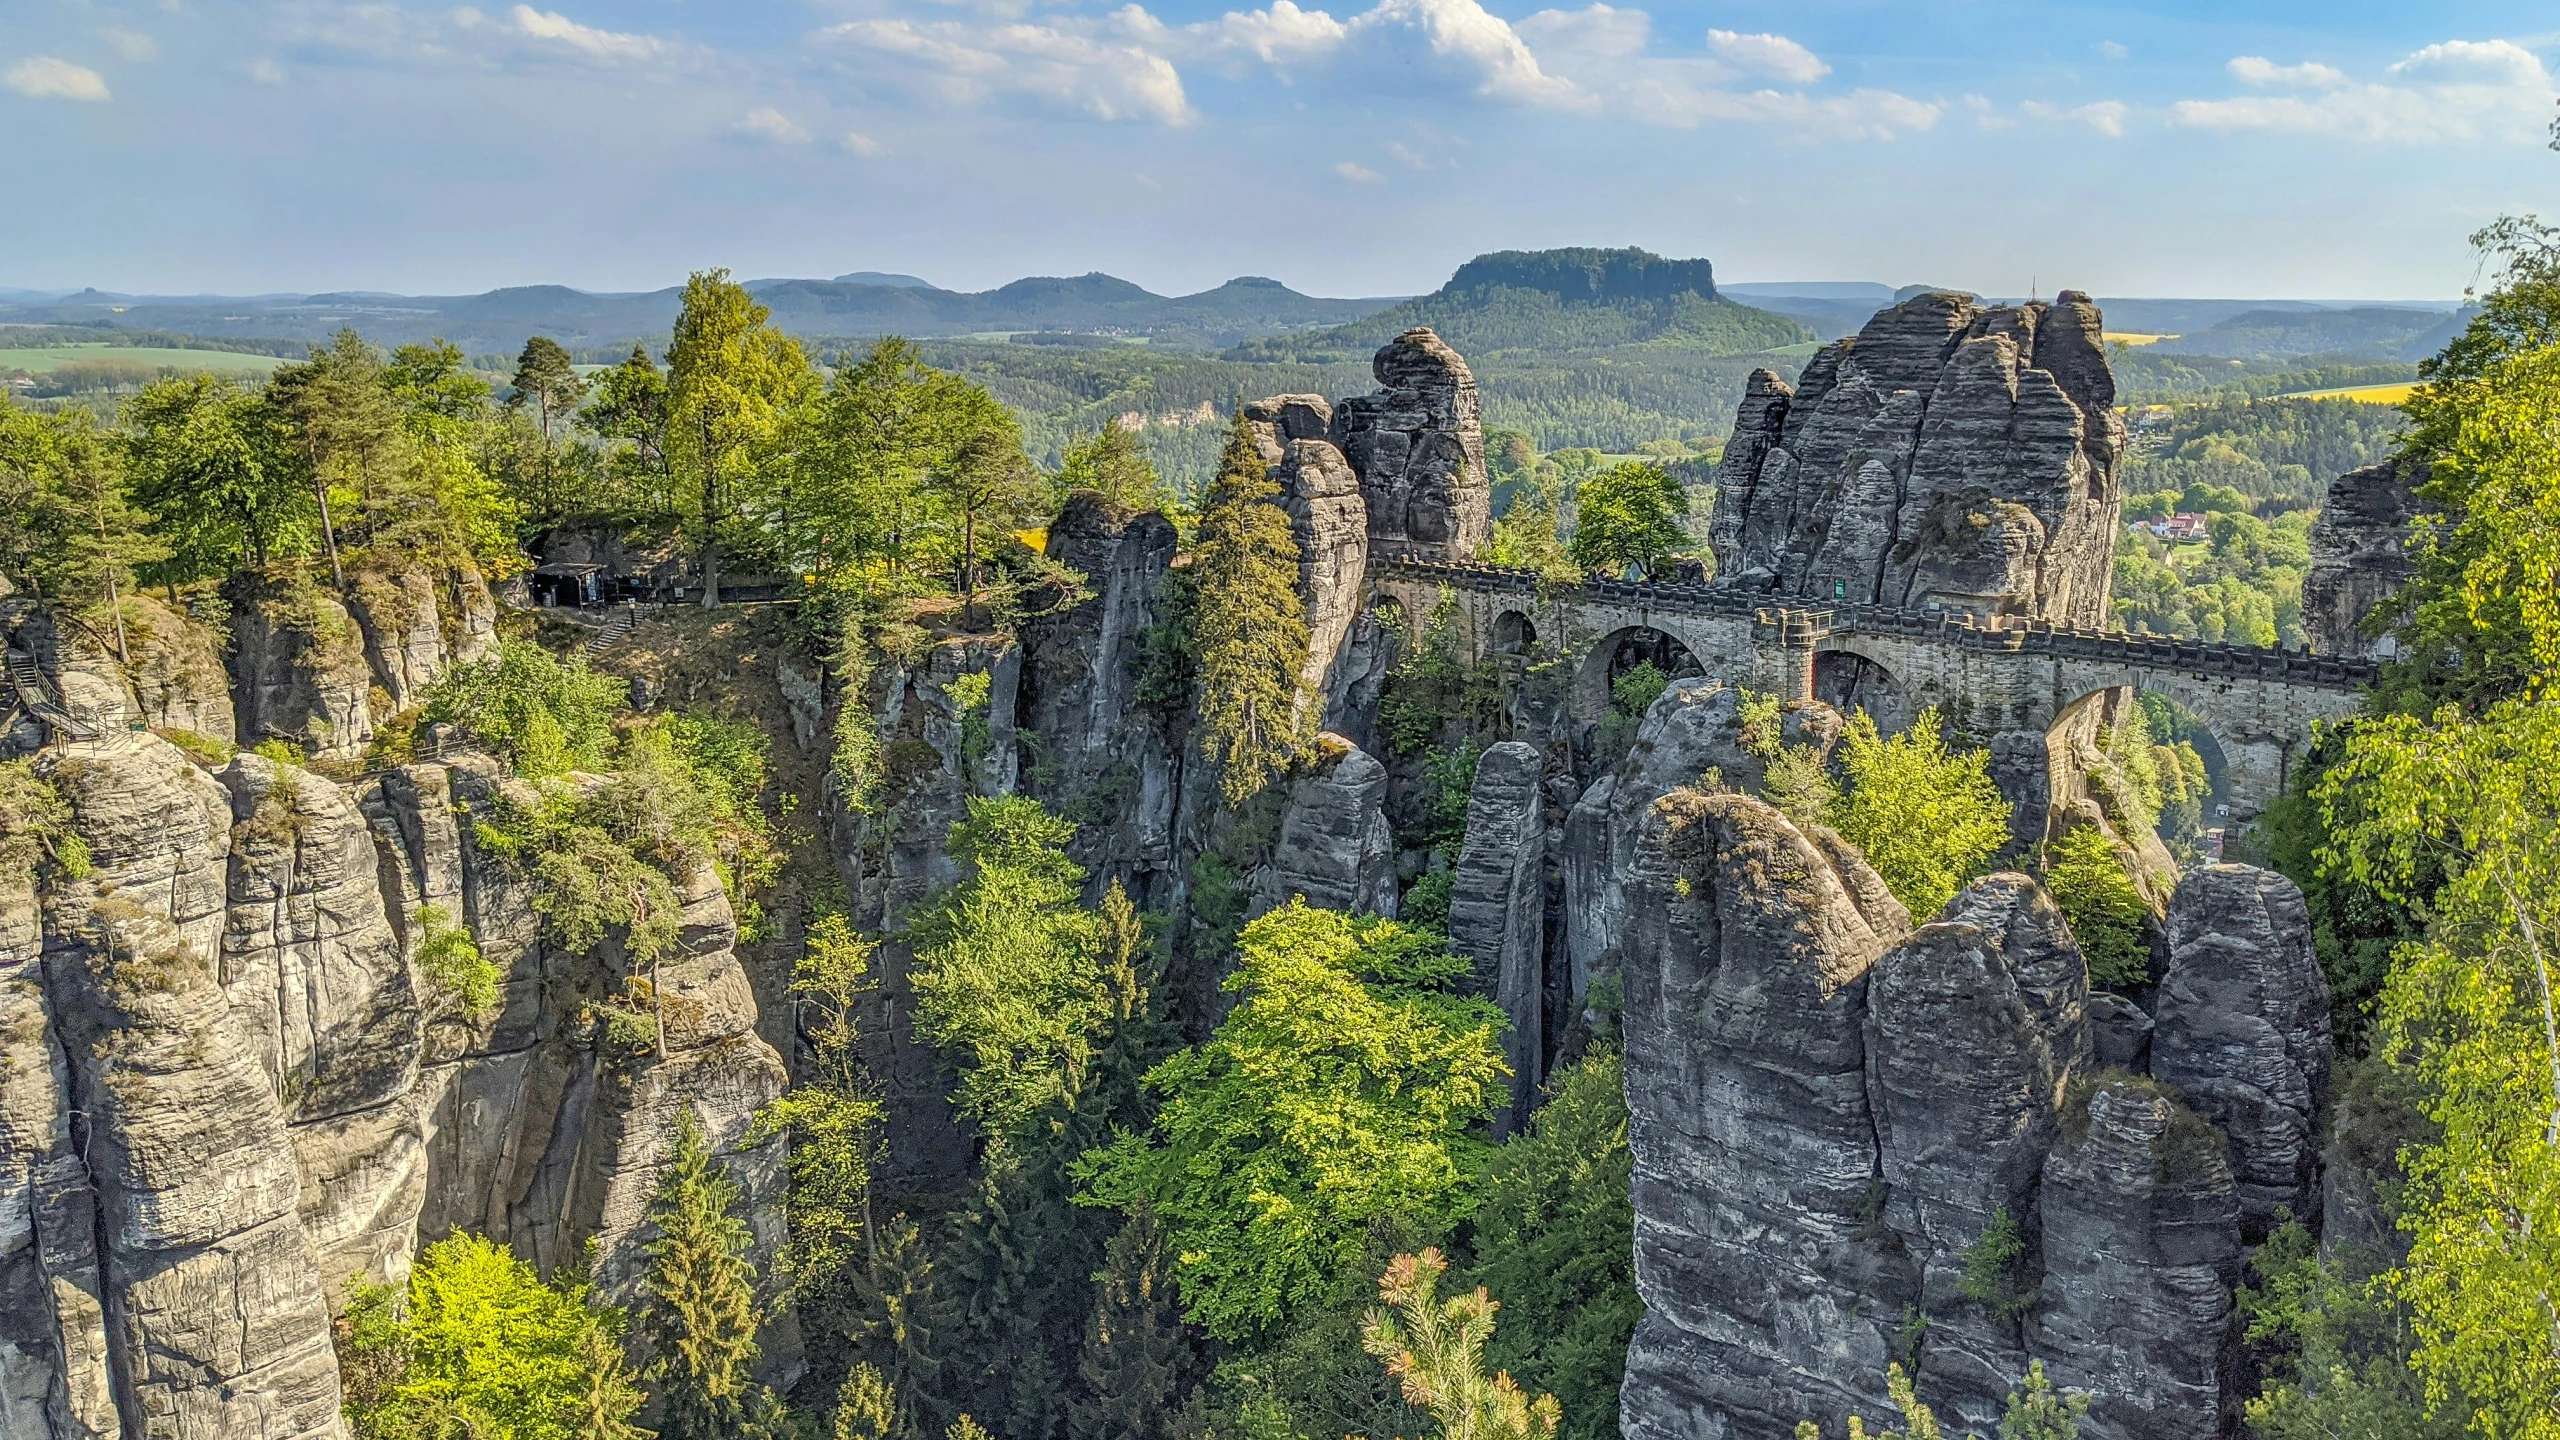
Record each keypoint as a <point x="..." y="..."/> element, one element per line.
<point x="1345" y="147"/>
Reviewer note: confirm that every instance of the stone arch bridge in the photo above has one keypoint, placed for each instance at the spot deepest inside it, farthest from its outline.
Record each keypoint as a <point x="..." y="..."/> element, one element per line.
<point x="2260" y="704"/>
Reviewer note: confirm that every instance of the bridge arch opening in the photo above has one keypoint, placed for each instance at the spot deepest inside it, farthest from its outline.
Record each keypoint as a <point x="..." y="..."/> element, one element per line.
<point x="2138" y="751"/>
<point x="1623" y="653"/>
<point x="1514" y="633"/>
<point x="1847" y="681"/>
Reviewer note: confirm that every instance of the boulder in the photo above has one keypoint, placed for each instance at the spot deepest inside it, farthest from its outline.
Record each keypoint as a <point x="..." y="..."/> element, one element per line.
<point x="1498" y="909"/>
<point x="2141" y="1249"/>
<point x="1418" y="447"/>
<point x="2241" y="1027"/>
<point x="2119" y="1033"/>
<point x="1975" y="1024"/>
<point x="1951" y="454"/>
<point x="1334" y="846"/>
<point x="1772" y="1293"/>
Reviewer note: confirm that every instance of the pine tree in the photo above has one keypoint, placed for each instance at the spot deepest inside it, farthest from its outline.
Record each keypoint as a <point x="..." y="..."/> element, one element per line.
<point x="1435" y="1348"/>
<point x="1250" y="624"/>
<point x="699" y="1315"/>
<point x="2039" y="1412"/>
<point x="865" y="1406"/>
<point x="547" y="380"/>
<point x="1139" y="1360"/>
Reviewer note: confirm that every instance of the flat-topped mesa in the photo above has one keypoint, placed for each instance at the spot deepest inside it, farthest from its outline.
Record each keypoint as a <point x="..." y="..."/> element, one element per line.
<point x="1951" y="453"/>
<point x="1418" y="447"/>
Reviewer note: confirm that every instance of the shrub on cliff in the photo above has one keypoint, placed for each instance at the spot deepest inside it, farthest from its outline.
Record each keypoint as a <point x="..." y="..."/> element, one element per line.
<point x="1926" y="817"/>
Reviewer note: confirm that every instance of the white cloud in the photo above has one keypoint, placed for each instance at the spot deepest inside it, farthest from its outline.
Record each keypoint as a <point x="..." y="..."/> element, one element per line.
<point x="771" y="126"/>
<point x="1775" y="56"/>
<point x="1100" y="75"/>
<point x="2309" y="75"/>
<point x="43" y="77"/>
<point x="1481" y="47"/>
<point x="2107" y="117"/>
<point x="857" y="143"/>
<point x="132" y="46"/>
<point x="1281" y="36"/>
<point x="1353" y="170"/>
<point x="2457" y="90"/>
<point x="558" y="31"/>
<point x="1595" y="32"/>
<point x="2496" y="63"/>
<point x="2113" y="49"/>
<point x="266" y="72"/>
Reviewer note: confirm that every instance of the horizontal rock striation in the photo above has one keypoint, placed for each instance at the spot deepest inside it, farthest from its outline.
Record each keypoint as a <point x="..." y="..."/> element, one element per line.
<point x="2359" y="555"/>
<point x="1950" y="454"/>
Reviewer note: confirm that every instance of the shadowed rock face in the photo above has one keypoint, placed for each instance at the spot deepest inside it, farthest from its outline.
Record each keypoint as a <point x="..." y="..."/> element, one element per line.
<point x="1418" y="445"/>
<point x="1746" y="954"/>
<point x="2359" y="554"/>
<point x="1498" y="908"/>
<point x="1079" y="693"/>
<point x="1335" y="847"/>
<point x="2241" y="1027"/>
<point x="2141" y="1249"/>
<point x="1950" y="453"/>
<point x="1974" y="1027"/>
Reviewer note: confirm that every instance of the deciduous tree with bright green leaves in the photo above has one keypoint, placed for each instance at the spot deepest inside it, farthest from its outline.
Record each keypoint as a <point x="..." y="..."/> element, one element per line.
<point x="1339" y="1091"/>
<point x="1007" y="970"/>
<point x="1250" y="625"/>
<point x="213" y="464"/>
<point x="1112" y="463"/>
<point x="733" y="380"/>
<point x="1626" y="515"/>
<point x="1925" y="817"/>
<point x="482" y="1347"/>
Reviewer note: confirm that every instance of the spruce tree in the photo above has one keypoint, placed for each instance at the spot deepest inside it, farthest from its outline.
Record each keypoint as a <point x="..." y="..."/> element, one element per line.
<point x="1250" y="624"/>
<point x="865" y="1407"/>
<point x="699" y="1314"/>
<point x="1139" y="1360"/>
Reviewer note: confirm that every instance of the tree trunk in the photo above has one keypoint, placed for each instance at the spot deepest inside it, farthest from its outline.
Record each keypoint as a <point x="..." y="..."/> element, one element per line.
<point x="329" y="533"/>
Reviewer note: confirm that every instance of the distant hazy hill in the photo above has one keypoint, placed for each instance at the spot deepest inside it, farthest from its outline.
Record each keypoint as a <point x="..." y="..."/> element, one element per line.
<point x="2376" y="332"/>
<point x="1551" y="301"/>
<point x="841" y="309"/>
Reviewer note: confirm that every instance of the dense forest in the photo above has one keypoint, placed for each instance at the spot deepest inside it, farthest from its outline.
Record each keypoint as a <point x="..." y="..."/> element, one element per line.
<point x="1240" y="1177"/>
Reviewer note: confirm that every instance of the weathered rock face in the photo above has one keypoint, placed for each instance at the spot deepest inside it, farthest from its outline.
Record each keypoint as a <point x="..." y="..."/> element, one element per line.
<point x="2241" y="1027"/>
<point x="1330" y="522"/>
<point x="216" y="1322"/>
<point x="1098" y="759"/>
<point x="2359" y="554"/>
<point x="298" y="669"/>
<point x="1418" y="446"/>
<point x="1746" y="956"/>
<point x="1974" y="1025"/>
<point x="1694" y="727"/>
<point x="1498" y="908"/>
<point x="1829" y="1111"/>
<point x="2141" y="1249"/>
<point x="1335" y="847"/>
<point x="1950" y="453"/>
<point x="274" y="1103"/>
<point x="305" y="662"/>
<point x="177" y="673"/>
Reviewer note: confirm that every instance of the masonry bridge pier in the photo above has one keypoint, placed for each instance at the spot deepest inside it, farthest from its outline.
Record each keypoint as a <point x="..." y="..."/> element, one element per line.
<point x="2259" y="704"/>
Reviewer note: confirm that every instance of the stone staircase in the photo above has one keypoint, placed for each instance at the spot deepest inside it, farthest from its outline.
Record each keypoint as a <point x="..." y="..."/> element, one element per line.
<point x="616" y="628"/>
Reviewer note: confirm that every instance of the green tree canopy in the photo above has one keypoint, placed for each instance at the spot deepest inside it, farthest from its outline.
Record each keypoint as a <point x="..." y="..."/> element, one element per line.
<point x="1925" y="817"/>
<point x="1112" y="463"/>
<point x="733" y="381"/>
<point x="1629" y="514"/>
<point x="1338" y="1092"/>
<point x="482" y="1344"/>
<point x="214" y="464"/>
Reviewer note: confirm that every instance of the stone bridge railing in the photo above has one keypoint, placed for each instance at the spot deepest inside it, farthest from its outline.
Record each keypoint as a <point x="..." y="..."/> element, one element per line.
<point x="2201" y="658"/>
